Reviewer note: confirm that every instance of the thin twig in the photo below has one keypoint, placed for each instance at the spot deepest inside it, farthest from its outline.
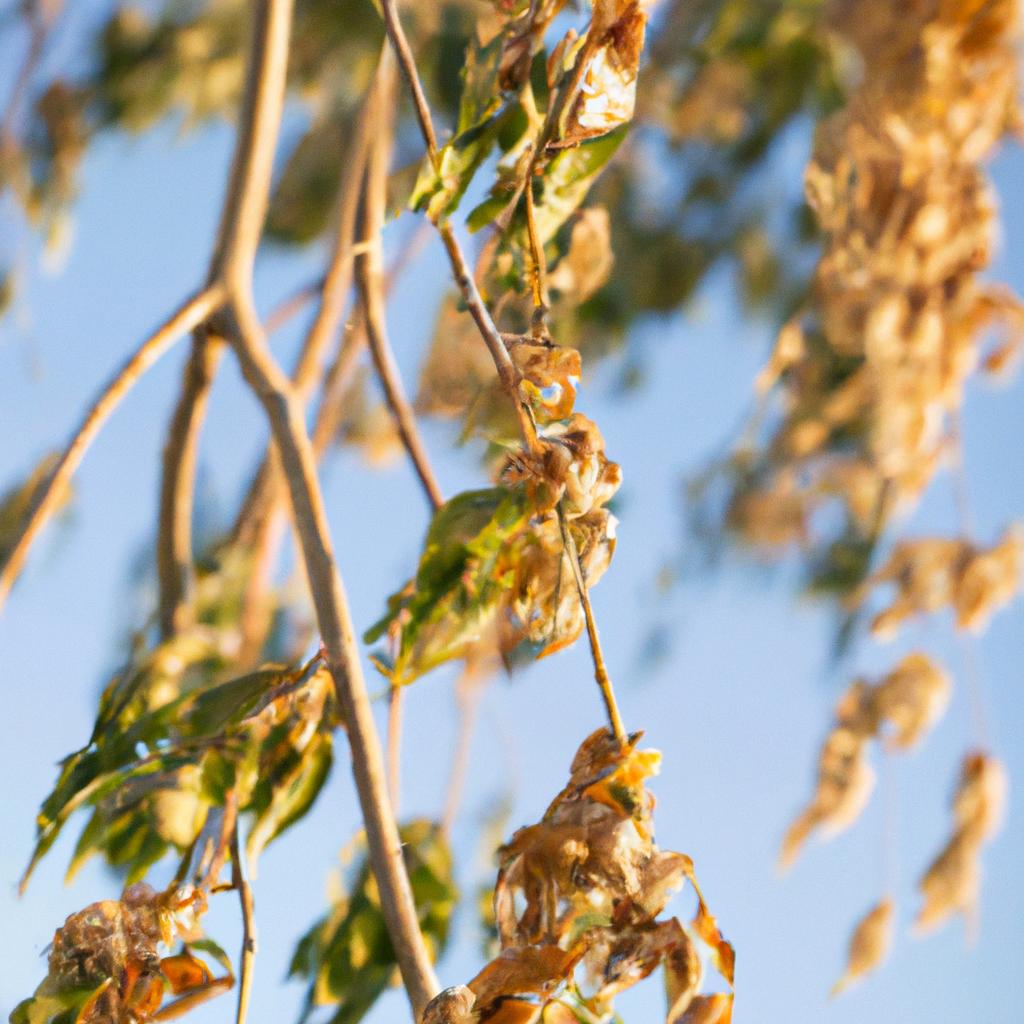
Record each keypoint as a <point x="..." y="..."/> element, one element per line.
<point x="541" y="302"/>
<point x="467" y="695"/>
<point x="370" y="281"/>
<point x="406" y="61"/>
<point x="255" y="148"/>
<point x="507" y="372"/>
<point x="177" y="482"/>
<point x="293" y="304"/>
<point x="604" y="682"/>
<point x="394" y="746"/>
<point x="192" y="312"/>
<point x="247" y="958"/>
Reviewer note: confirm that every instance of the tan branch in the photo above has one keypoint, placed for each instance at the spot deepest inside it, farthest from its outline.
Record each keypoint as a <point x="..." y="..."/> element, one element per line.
<point x="256" y="144"/>
<point x="299" y="464"/>
<point x="192" y="312"/>
<point x="601" y="676"/>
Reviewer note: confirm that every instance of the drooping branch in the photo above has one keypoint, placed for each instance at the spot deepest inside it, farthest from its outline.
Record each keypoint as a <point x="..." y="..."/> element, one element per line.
<point x="193" y="311"/>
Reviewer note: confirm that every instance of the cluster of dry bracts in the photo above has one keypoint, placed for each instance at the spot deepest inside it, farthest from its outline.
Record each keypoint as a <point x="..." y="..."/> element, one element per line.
<point x="871" y="372"/>
<point x="496" y="573"/>
<point x="577" y="904"/>
<point x="105" y="963"/>
<point x="940" y="572"/>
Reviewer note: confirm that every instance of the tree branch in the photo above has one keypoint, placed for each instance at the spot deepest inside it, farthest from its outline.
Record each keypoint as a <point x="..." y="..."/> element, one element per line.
<point x="256" y="144"/>
<point x="192" y="312"/>
<point x="601" y="676"/>
<point x="334" y="620"/>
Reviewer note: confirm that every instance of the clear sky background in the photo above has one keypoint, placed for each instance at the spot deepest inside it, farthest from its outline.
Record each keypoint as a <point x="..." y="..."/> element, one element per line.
<point x="738" y="707"/>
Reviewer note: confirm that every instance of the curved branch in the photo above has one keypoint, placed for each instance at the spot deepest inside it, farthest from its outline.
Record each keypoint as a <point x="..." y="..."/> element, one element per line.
<point x="370" y="282"/>
<point x="189" y="315"/>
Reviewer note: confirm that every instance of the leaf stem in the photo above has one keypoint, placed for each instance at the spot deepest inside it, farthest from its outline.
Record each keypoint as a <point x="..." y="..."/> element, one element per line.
<point x="247" y="958"/>
<point x="507" y="372"/>
<point x="604" y="682"/>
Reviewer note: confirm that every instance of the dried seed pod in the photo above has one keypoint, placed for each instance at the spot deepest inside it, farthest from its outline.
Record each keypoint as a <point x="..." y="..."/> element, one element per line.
<point x="912" y="698"/>
<point x="870" y="944"/>
<point x="952" y="882"/>
<point x="845" y="783"/>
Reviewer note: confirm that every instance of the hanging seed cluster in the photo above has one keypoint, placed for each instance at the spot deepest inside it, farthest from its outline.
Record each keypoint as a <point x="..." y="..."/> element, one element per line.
<point x="105" y="963"/>
<point x="871" y="376"/>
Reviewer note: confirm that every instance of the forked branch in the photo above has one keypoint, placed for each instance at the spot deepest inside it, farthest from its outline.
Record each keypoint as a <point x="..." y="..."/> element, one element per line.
<point x="251" y="170"/>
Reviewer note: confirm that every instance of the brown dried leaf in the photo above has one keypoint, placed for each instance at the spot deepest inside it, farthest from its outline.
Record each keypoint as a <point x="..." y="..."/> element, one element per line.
<point x="523" y="970"/>
<point x="713" y="1009"/>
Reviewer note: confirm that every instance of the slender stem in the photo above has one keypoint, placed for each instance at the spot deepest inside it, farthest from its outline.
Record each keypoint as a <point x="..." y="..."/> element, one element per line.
<point x="467" y="694"/>
<point x="507" y="372"/>
<point x="604" y="682"/>
<point x="406" y="61"/>
<point x="247" y="958"/>
<point x="293" y="304"/>
<point x="177" y="483"/>
<point x="541" y="301"/>
<point x="193" y="311"/>
<point x="370" y="281"/>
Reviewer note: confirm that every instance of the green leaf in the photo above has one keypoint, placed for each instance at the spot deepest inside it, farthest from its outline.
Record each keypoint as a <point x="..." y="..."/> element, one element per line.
<point x="439" y="190"/>
<point x="304" y="196"/>
<point x="347" y="956"/>
<point x="567" y="179"/>
<point x="214" y="951"/>
<point x="291" y="801"/>
<point x="457" y="587"/>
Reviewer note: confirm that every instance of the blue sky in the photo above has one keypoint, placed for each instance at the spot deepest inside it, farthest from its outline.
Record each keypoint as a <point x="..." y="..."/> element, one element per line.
<point x="738" y="709"/>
